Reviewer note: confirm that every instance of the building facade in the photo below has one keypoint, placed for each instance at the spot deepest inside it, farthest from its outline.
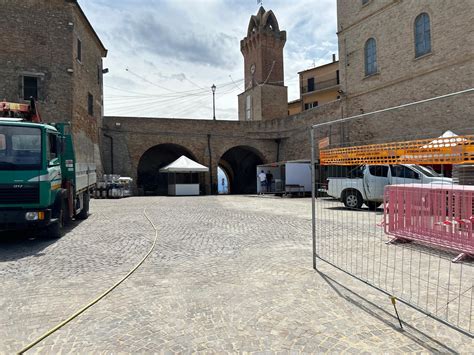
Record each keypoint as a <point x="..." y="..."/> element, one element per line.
<point x="55" y="56"/>
<point x="318" y="86"/>
<point x="397" y="51"/>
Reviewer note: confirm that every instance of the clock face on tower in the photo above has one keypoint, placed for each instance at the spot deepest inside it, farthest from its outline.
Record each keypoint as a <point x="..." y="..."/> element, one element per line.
<point x="252" y="69"/>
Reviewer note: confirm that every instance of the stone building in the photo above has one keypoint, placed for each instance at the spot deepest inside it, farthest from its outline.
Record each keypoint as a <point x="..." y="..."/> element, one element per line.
<point x="265" y="96"/>
<point x="391" y="52"/>
<point x="421" y="49"/>
<point x="51" y="52"/>
<point x="397" y="73"/>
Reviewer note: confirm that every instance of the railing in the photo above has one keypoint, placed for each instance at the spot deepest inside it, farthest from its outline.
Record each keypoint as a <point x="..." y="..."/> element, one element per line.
<point x="441" y="216"/>
<point x="320" y="85"/>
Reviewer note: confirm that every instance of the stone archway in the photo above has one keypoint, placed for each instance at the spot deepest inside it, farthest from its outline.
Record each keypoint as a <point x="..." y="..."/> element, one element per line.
<point x="240" y="164"/>
<point x="149" y="180"/>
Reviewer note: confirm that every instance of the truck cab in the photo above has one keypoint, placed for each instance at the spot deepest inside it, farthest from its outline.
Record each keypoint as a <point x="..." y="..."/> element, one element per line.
<point x="38" y="180"/>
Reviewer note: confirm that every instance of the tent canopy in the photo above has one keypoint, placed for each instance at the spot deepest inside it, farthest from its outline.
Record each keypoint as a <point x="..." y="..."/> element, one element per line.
<point x="443" y="140"/>
<point x="184" y="165"/>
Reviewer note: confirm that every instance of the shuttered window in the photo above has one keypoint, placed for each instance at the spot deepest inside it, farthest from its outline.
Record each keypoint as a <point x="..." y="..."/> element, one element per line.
<point x="422" y="34"/>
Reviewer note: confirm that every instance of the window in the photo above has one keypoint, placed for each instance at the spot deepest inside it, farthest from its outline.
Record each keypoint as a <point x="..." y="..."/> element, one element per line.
<point x="309" y="105"/>
<point x="310" y="84"/>
<point x="79" y="50"/>
<point x="422" y="35"/>
<point x="401" y="171"/>
<point x="370" y="57"/>
<point x="357" y="172"/>
<point x="99" y="74"/>
<point x="90" y="104"/>
<point x="378" y="170"/>
<point x="30" y="87"/>
<point x="337" y="77"/>
<point x="20" y="148"/>
<point x="3" y="144"/>
<point x="52" y="151"/>
<point x="248" y="108"/>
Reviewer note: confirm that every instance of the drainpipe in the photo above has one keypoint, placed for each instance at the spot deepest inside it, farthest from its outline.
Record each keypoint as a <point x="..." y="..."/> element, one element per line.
<point x="210" y="162"/>
<point x="278" y="142"/>
<point x="111" y="152"/>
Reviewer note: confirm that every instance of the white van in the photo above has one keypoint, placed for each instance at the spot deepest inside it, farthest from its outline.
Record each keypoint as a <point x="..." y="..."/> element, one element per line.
<point x="367" y="183"/>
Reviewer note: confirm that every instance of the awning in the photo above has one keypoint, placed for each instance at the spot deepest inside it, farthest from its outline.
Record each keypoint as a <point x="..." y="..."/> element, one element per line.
<point x="184" y="165"/>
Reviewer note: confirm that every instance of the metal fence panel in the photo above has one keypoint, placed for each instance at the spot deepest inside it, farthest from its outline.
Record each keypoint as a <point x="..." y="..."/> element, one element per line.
<point x="402" y="228"/>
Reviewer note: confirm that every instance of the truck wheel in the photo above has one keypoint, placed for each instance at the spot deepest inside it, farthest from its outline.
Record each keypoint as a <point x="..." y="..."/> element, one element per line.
<point x="353" y="199"/>
<point x="373" y="205"/>
<point x="55" y="230"/>
<point x="85" y="207"/>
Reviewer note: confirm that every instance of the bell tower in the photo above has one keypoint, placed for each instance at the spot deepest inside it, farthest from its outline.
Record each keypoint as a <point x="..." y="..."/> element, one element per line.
<point x="265" y="96"/>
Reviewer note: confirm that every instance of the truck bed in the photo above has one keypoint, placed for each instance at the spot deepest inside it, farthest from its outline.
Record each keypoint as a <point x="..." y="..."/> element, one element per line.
<point x="86" y="176"/>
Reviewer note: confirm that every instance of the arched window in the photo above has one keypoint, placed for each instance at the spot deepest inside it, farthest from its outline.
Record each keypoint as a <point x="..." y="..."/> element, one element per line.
<point x="422" y="34"/>
<point x="370" y="57"/>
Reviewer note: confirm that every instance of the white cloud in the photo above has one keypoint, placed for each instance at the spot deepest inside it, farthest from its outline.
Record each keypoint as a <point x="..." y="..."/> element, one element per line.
<point x="171" y="47"/>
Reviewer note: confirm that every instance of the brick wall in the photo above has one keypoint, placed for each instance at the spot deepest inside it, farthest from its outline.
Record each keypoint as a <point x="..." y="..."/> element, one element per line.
<point x="87" y="80"/>
<point x="267" y="102"/>
<point x="401" y="77"/>
<point x="132" y="137"/>
<point x="36" y="41"/>
<point x="39" y="38"/>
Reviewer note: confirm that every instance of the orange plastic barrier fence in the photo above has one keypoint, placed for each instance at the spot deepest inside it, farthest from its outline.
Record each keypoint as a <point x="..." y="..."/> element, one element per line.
<point x="443" y="150"/>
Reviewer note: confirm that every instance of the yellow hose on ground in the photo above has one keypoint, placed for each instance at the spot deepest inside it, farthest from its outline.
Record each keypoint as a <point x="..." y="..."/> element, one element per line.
<point x="90" y="304"/>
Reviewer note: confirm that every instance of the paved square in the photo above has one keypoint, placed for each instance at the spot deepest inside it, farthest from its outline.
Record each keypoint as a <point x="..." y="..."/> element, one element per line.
<point x="228" y="274"/>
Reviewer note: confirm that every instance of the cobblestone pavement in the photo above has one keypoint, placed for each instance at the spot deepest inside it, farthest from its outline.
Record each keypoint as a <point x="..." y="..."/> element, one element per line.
<point x="228" y="274"/>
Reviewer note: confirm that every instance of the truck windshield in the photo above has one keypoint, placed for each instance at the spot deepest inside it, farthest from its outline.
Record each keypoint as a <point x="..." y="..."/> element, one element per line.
<point x="20" y="148"/>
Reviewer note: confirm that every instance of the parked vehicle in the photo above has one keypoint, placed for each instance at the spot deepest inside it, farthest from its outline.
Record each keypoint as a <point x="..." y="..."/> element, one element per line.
<point x="288" y="178"/>
<point x="366" y="183"/>
<point x="42" y="186"/>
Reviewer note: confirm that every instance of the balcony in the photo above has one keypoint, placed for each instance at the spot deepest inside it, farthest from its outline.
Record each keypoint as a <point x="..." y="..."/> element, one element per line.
<point x="320" y="85"/>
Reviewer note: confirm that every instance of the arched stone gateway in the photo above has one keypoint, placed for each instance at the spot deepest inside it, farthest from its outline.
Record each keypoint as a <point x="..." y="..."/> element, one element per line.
<point x="240" y="164"/>
<point x="149" y="180"/>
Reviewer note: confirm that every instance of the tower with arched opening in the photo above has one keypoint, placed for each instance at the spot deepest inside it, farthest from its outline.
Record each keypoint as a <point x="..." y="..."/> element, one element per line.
<point x="265" y="96"/>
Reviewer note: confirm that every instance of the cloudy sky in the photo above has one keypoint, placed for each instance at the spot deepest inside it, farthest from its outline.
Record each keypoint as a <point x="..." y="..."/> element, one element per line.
<point x="165" y="55"/>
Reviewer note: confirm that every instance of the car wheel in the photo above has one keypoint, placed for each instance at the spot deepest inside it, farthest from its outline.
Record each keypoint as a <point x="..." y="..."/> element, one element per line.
<point x="353" y="199"/>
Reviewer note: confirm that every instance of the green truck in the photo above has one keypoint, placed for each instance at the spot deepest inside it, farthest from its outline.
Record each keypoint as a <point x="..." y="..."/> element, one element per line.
<point x="41" y="184"/>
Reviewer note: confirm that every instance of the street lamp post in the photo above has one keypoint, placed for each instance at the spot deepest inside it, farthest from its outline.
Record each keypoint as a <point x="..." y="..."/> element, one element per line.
<point x="213" y="88"/>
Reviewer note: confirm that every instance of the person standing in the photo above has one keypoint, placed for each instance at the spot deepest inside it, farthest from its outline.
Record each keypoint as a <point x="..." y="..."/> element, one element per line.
<point x="269" y="179"/>
<point x="263" y="181"/>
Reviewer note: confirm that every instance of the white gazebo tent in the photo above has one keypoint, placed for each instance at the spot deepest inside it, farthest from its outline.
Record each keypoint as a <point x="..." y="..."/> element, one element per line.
<point x="442" y="142"/>
<point x="183" y="179"/>
<point x="447" y="139"/>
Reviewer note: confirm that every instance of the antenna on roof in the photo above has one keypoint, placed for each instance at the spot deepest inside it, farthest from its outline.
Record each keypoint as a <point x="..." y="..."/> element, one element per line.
<point x="260" y="2"/>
